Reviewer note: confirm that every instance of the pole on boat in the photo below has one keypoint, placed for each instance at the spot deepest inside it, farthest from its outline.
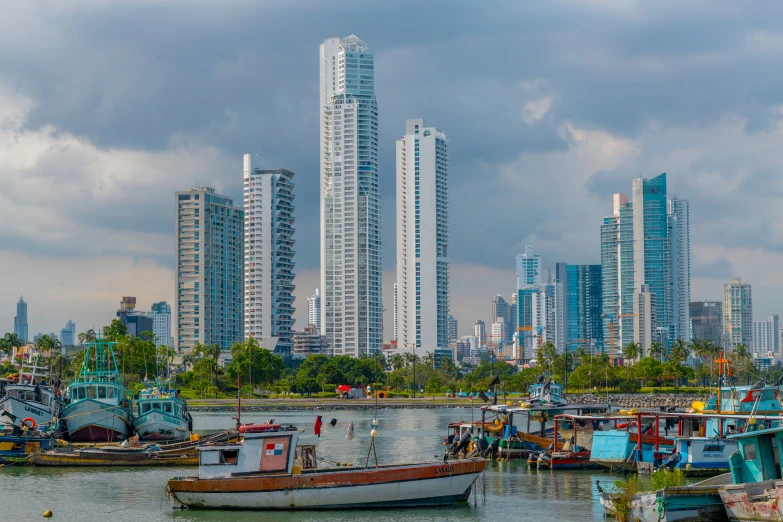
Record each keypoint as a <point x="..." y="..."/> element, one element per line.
<point x="657" y="436"/>
<point x="239" y="401"/>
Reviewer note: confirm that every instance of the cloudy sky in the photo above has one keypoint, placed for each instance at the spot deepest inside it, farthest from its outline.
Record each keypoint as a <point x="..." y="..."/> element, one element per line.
<point x="107" y="108"/>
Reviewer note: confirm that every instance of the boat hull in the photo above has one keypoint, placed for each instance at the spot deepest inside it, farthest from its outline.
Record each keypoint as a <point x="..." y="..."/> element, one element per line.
<point x="392" y="487"/>
<point x="753" y="501"/>
<point x="157" y="426"/>
<point x="109" y="459"/>
<point x="93" y="421"/>
<point x="576" y="460"/>
<point x="678" y="504"/>
<point x="17" y="450"/>
<point x="23" y="409"/>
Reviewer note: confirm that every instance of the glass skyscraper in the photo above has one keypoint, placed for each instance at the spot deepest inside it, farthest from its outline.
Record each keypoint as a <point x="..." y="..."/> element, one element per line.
<point x="646" y="243"/>
<point x="351" y="272"/>
<point x="20" y="320"/>
<point x="583" y="300"/>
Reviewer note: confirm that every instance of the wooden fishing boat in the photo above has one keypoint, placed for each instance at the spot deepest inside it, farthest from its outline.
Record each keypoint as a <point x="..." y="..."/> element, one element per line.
<point x="262" y="473"/>
<point x="162" y="415"/>
<point x="700" y="501"/>
<point x="17" y="445"/>
<point x="28" y="399"/>
<point x="98" y="410"/>
<point x="112" y="456"/>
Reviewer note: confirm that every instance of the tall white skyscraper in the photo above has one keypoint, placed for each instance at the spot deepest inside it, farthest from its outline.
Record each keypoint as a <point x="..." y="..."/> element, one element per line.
<point x="314" y="310"/>
<point x="422" y="238"/>
<point x="210" y="273"/>
<point x="351" y="271"/>
<point x="679" y="214"/>
<point x="269" y="254"/>
<point x="396" y="303"/>
<point x="161" y="323"/>
<point x="766" y="337"/>
<point x="737" y="314"/>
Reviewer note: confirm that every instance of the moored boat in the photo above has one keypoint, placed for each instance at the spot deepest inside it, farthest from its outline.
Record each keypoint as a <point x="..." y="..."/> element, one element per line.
<point x="97" y="409"/>
<point x="112" y="456"/>
<point x="700" y="501"/>
<point x="16" y="445"/>
<point x="28" y="399"/>
<point x="162" y="415"/>
<point x="261" y="473"/>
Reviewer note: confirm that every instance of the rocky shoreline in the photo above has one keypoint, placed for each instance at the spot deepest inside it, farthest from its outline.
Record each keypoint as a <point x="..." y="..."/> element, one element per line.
<point x="631" y="400"/>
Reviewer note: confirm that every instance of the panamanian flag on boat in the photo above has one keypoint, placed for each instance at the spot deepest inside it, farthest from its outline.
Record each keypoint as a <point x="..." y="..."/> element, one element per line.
<point x="274" y="449"/>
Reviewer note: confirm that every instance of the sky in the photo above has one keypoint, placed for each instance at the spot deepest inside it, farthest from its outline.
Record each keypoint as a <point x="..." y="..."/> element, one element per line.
<point x="107" y="108"/>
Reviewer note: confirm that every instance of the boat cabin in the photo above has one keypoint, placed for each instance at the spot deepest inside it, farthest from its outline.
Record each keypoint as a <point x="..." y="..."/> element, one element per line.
<point x="172" y="407"/>
<point x="257" y="453"/>
<point x="104" y="392"/>
<point x="30" y="393"/>
<point x="758" y="456"/>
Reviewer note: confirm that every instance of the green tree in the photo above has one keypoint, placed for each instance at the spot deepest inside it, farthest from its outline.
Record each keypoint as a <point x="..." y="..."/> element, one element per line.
<point x="115" y="331"/>
<point x="631" y="351"/>
<point x="88" y="336"/>
<point x="647" y="369"/>
<point x="397" y="361"/>
<point x="9" y="344"/>
<point x="657" y="350"/>
<point x="679" y="350"/>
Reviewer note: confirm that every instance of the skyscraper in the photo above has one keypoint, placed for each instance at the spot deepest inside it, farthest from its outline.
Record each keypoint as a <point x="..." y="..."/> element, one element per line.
<point x="394" y="312"/>
<point x="210" y="272"/>
<point x="766" y="337"/>
<point x="68" y="334"/>
<point x="453" y="328"/>
<point x="135" y="321"/>
<point x="351" y="268"/>
<point x="707" y="321"/>
<point x="737" y="314"/>
<point x="160" y="313"/>
<point x="500" y="309"/>
<point x="20" y="320"/>
<point x="582" y="304"/>
<point x="646" y="242"/>
<point x="480" y="331"/>
<point x="269" y="256"/>
<point x="422" y="237"/>
<point x="314" y="310"/>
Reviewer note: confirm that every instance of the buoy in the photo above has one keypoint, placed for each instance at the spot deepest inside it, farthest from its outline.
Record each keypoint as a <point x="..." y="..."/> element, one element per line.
<point x="752" y="422"/>
<point x="47" y="514"/>
<point x="374" y="433"/>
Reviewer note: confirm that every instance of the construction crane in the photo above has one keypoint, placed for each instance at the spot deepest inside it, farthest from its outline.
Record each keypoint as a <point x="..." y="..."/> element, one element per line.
<point x="612" y="318"/>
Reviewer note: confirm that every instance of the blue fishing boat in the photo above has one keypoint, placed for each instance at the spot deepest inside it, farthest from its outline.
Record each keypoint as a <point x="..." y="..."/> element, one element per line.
<point x="16" y="444"/>
<point x="757" y="489"/>
<point x="162" y="415"/>
<point x="97" y="409"/>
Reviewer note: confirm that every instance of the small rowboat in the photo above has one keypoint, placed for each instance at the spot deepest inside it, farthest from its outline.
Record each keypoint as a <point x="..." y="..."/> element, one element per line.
<point x="114" y="456"/>
<point x="262" y="472"/>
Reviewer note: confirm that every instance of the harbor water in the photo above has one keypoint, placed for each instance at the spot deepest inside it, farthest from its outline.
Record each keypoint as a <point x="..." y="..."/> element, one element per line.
<point x="506" y="491"/>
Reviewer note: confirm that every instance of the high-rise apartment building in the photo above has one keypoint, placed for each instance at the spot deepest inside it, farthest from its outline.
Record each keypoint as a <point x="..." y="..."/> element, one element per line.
<point x="394" y="313"/>
<point x="513" y="316"/>
<point x="351" y="268"/>
<point x="309" y="342"/>
<point x="644" y="319"/>
<point x="269" y="256"/>
<point x="480" y="331"/>
<point x="707" y="321"/>
<point x="68" y="334"/>
<point x="498" y="335"/>
<point x="680" y="239"/>
<point x="646" y="242"/>
<point x="160" y="313"/>
<point x="766" y="337"/>
<point x="210" y="271"/>
<point x="737" y="314"/>
<point x="135" y="321"/>
<point x="501" y="309"/>
<point x="453" y="328"/>
<point x="20" y="320"/>
<point x="314" y="310"/>
<point x="422" y="238"/>
<point x="582" y="298"/>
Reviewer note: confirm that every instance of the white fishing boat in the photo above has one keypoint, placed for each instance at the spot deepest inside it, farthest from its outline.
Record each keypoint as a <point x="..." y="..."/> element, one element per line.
<point x="161" y="414"/>
<point x="97" y="409"/>
<point x="262" y="473"/>
<point x="28" y="400"/>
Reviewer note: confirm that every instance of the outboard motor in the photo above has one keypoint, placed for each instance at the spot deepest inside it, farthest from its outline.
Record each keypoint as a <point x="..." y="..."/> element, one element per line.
<point x="463" y="444"/>
<point x="672" y="461"/>
<point x="492" y="449"/>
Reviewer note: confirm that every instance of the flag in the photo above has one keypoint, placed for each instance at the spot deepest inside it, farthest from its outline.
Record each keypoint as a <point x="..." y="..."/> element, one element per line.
<point x="495" y="381"/>
<point x="483" y="396"/>
<point x="274" y="449"/>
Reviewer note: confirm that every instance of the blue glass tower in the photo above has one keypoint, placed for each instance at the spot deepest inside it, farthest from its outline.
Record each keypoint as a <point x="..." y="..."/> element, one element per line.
<point x="583" y="299"/>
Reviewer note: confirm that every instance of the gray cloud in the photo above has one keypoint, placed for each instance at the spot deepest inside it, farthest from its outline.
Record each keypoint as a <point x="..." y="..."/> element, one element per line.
<point x="125" y="103"/>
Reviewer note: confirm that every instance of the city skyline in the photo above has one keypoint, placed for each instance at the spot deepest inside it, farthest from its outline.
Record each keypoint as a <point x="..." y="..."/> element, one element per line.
<point x="533" y="120"/>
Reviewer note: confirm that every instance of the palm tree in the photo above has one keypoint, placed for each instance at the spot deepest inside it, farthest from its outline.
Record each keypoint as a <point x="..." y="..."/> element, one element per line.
<point x="187" y="359"/>
<point x="397" y="361"/>
<point x="679" y="350"/>
<point x="659" y="350"/>
<point x="631" y="351"/>
<point x="9" y="343"/>
<point x="582" y="354"/>
<point x="429" y="360"/>
<point x="88" y="336"/>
